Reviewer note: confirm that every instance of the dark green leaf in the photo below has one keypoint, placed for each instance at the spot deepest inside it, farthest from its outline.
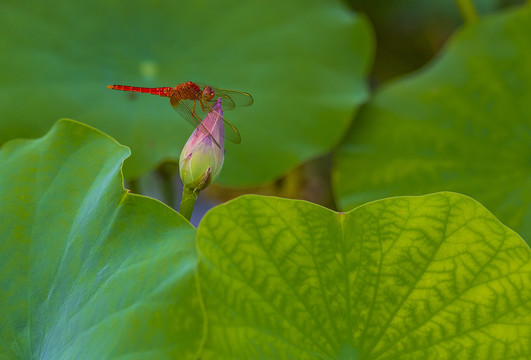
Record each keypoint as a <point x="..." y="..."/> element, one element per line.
<point x="88" y="271"/>
<point x="304" y="63"/>
<point x="461" y="124"/>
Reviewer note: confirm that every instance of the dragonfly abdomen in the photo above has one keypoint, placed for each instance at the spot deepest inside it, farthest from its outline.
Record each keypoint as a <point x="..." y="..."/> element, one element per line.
<point x="161" y="91"/>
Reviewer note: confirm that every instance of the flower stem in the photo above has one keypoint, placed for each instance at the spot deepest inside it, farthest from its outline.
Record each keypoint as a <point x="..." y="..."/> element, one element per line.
<point x="188" y="202"/>
<point x="467" y="10"/>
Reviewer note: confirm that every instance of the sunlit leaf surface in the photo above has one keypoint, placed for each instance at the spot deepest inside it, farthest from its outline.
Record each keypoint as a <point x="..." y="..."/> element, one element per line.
<point x="431" y="277"/>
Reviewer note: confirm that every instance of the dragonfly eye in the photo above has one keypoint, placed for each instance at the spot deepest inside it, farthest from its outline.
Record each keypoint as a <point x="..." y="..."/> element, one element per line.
<point x="208" y="93"/>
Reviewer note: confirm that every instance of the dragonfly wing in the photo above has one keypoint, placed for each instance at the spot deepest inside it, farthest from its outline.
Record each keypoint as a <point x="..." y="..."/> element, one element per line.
<point x="231" y="98"/>
<point x="231" y="132"/>
<point x="226" y="101"/>
<point x="239" y="98"/>
<point x="188" y="113"/>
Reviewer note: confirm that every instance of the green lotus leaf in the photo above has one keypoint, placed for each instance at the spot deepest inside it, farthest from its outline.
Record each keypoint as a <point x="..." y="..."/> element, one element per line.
<point x="303" y="62"/>
<point x="88" y="271"/>
<point x="461" y="124"/>
<point x="431" y="277"/>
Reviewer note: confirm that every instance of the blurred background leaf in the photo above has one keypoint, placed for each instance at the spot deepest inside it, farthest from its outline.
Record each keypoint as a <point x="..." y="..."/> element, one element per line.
<point x="303" y="61"/>
<point x="88" y="271"/>
<point x="410" y="32"/>
<point x="463" y="124"/>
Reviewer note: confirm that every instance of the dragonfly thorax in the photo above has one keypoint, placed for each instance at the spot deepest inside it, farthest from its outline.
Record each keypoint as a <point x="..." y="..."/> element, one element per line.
<point x="187" y="91"/>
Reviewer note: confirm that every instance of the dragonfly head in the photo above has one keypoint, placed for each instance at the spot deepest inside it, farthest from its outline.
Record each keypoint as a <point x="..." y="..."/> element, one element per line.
<point x="208" y="93"/>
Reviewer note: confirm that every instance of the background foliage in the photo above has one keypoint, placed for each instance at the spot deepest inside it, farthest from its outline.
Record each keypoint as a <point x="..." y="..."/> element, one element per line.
<point x="63" y="54"/>
<point x="461" y="124"/>
<point x="90" y="271"/>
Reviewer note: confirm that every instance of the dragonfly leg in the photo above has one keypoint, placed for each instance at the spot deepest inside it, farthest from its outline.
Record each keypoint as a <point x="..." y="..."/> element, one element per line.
<point x="193" y="112"/>
<point x="203" y="106"/>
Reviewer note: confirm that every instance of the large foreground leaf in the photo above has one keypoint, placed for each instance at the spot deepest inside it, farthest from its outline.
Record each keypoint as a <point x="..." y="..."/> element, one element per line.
<point x="88" y="271"/>
<point x="303" y="61"/>
<point x="431" y="277"/>
<point x="462" y="124"/>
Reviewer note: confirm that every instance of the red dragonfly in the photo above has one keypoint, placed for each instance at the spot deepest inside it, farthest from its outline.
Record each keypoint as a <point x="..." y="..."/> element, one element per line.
<point x="194" y="100"/>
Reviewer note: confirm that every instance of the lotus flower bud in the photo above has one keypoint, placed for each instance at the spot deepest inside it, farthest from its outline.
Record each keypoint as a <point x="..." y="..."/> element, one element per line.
<point x="202" y="157"/>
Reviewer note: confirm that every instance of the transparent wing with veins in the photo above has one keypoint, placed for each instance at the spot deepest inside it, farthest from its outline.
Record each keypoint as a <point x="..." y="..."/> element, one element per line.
<point x="230" y="98"/>
<point x="194" y="112"/>
<point x="187" y="113"/>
